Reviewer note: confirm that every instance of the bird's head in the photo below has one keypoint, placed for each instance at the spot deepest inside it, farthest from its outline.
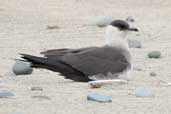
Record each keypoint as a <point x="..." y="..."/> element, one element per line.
<point x="120" y="27"/>
<point x="117" y="31"/>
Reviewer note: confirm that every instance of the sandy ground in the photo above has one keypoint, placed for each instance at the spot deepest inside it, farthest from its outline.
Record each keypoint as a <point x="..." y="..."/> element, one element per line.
<point x="23" y="29"/>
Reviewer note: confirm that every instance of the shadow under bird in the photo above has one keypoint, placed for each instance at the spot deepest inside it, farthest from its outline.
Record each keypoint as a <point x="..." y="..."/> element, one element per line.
<point x="110" y="61"/>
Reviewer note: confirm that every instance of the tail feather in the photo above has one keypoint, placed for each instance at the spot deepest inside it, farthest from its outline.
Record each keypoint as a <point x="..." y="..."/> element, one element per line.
<point x="32" y="59"/>
<point x="57" y="66"/>
<point x="40" y="62"/>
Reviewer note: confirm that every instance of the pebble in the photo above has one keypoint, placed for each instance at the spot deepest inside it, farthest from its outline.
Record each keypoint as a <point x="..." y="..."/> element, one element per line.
<point x="153" y="74"/>
<point x="154" y="54"/>
<point x="134" y="43"/>
<point x="22" y="68"/>
<point x="6" y="94"/>
<point x="102" y="21"/>
<point x="51" y="27"/>
<point x="130" y="19"/>
<point x="41" y="97"/>
<point x="99" y="98"/>
<point x="143" y="92"/>
<point x="36" y="88"/>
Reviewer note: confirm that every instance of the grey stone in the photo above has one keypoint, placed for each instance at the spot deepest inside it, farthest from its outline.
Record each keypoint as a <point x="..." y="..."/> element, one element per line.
<point x="134" y="43"/>
<point x="99" y="98"/>
<point x="153" y="74"/>
<point x="51" y="27"/>
<point x="154" y="54"/>
<point x="41" y="97"/>
<point x="130" y="19"/>
<point x="36" y="88"/>
<point x="6" y="94"/>
<point x="143" y="92"/>
<point x="102" y="21"/>
<point x="22" y="68"/>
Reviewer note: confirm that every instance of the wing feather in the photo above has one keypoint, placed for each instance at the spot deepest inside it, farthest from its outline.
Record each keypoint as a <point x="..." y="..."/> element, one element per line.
<point x="97" y="61"/>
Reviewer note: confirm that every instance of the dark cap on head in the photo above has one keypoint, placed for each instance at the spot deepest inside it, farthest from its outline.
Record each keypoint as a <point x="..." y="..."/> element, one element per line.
<point x="122" y="25"/>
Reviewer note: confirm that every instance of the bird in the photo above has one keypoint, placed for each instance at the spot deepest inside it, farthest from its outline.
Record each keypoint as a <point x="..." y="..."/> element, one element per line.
<point x="109" y="61"/>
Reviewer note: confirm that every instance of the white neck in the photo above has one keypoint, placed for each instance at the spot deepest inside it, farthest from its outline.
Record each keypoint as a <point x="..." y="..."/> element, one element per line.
<point x="115" y="38"/>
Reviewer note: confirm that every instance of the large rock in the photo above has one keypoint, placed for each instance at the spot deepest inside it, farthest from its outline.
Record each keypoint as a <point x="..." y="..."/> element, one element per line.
<point x="22" y="68"/>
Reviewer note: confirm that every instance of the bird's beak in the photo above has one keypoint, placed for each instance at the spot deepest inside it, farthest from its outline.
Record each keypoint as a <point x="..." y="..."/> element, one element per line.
<point x="133" y="29"/>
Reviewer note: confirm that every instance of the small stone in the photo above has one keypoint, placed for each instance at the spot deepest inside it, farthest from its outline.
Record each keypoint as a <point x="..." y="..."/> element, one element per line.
<point x="130" y="19"/>
<point x="51" y="27"/>
<point x="102" y="21"/>
<point x="154" y="54"/>
<point x="6" y="94"/>
<point x="36" y="88"/>
<point x="99" y="98"/>
<point x="134" y="43"/>
<point x="153" y="74"/>
<point x="143" y="92"/>
<point x="41" y="97"/>
<point x="22" y="68"/>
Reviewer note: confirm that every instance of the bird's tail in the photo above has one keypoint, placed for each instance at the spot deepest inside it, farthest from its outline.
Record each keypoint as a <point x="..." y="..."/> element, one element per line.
<point x="35" y="61"/>
<point x="50" y="64"/>
<point x="55" y="65"/>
